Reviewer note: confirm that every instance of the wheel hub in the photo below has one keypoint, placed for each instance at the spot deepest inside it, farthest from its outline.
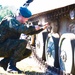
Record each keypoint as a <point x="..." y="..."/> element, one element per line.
<point x="63" y="56"/>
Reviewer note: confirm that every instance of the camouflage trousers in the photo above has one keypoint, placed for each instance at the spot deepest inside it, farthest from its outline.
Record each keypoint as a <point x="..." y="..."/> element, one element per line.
<point x="14" y="49"/>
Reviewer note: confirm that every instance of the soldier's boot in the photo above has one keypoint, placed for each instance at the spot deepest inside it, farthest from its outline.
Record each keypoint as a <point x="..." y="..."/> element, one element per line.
<point x="4" y="63"/>
<point x="12" y="64"/>
<point x="12" y="67"/>
<point x="18" y="54"/>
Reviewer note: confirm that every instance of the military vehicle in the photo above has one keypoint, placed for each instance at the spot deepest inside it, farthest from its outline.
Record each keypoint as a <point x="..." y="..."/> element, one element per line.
<point x="56" y="44"/>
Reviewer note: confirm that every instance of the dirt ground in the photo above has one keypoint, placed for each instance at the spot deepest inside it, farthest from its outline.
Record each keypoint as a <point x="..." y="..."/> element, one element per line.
<point x="28" y="65"/>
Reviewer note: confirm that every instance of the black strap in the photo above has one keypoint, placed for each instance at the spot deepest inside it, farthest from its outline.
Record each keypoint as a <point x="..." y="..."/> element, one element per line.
<point x="27" y="3"/>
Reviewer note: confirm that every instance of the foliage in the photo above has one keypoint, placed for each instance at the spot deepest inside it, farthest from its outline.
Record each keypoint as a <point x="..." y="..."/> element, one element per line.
<point x="6" y="10"/>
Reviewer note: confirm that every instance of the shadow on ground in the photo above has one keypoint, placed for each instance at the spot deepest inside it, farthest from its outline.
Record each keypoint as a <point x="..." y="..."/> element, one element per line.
<point x="33" y="73"/>
<point x="26" y="73"/>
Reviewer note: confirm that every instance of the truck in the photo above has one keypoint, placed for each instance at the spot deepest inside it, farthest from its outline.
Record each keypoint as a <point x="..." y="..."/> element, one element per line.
<point x="56" y="44"/>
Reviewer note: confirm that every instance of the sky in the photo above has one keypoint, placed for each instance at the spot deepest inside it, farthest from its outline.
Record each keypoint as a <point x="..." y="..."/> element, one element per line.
<point x="38" y="6"/>
<point x="16" y="3"/>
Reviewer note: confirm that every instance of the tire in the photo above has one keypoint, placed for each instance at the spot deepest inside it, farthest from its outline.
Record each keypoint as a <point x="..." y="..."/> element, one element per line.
<point x="67" y="53"/>
<point x="51" y="50"/>
<point x="40" y="44"/>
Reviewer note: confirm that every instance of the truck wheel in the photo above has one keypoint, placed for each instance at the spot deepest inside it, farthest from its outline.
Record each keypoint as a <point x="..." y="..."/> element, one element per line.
<point x="51" y="50"/>
<point x="40" y="44"/>
<point x="66" y="53"/>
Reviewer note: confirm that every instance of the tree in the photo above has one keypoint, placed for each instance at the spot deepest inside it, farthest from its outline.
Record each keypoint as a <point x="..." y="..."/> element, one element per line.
<point x="6" y="10"/>
<point x="0" y="7"/>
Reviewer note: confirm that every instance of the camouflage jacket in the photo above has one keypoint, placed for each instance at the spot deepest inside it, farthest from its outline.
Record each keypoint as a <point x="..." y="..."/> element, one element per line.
<point x="10" y="28"/>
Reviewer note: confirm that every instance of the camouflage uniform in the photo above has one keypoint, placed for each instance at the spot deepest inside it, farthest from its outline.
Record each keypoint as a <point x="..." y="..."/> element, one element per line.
<point x="12" y="48"/>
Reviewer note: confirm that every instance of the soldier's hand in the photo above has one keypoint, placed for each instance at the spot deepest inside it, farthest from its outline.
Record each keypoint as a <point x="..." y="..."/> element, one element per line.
<point x="37" y="27"/>
<point x="45" y="25"/>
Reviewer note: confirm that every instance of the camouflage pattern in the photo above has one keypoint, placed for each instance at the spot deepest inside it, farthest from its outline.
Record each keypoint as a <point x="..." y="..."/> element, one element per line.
<point x="10" y="45"/>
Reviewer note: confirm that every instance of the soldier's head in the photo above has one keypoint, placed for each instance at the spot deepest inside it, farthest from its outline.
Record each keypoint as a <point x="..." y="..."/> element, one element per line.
<point x="23" y="14"/>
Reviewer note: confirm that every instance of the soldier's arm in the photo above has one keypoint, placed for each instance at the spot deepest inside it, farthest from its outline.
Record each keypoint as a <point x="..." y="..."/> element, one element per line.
<point x="29" y="30"/>
<point x="32" y="29"/>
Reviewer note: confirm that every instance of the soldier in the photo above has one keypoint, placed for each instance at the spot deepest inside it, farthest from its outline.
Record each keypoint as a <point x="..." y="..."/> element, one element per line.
<point x="12" y="48"/>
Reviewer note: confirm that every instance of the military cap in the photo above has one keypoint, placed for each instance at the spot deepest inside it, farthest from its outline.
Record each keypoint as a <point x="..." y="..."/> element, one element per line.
<point x="25" y="12"/>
